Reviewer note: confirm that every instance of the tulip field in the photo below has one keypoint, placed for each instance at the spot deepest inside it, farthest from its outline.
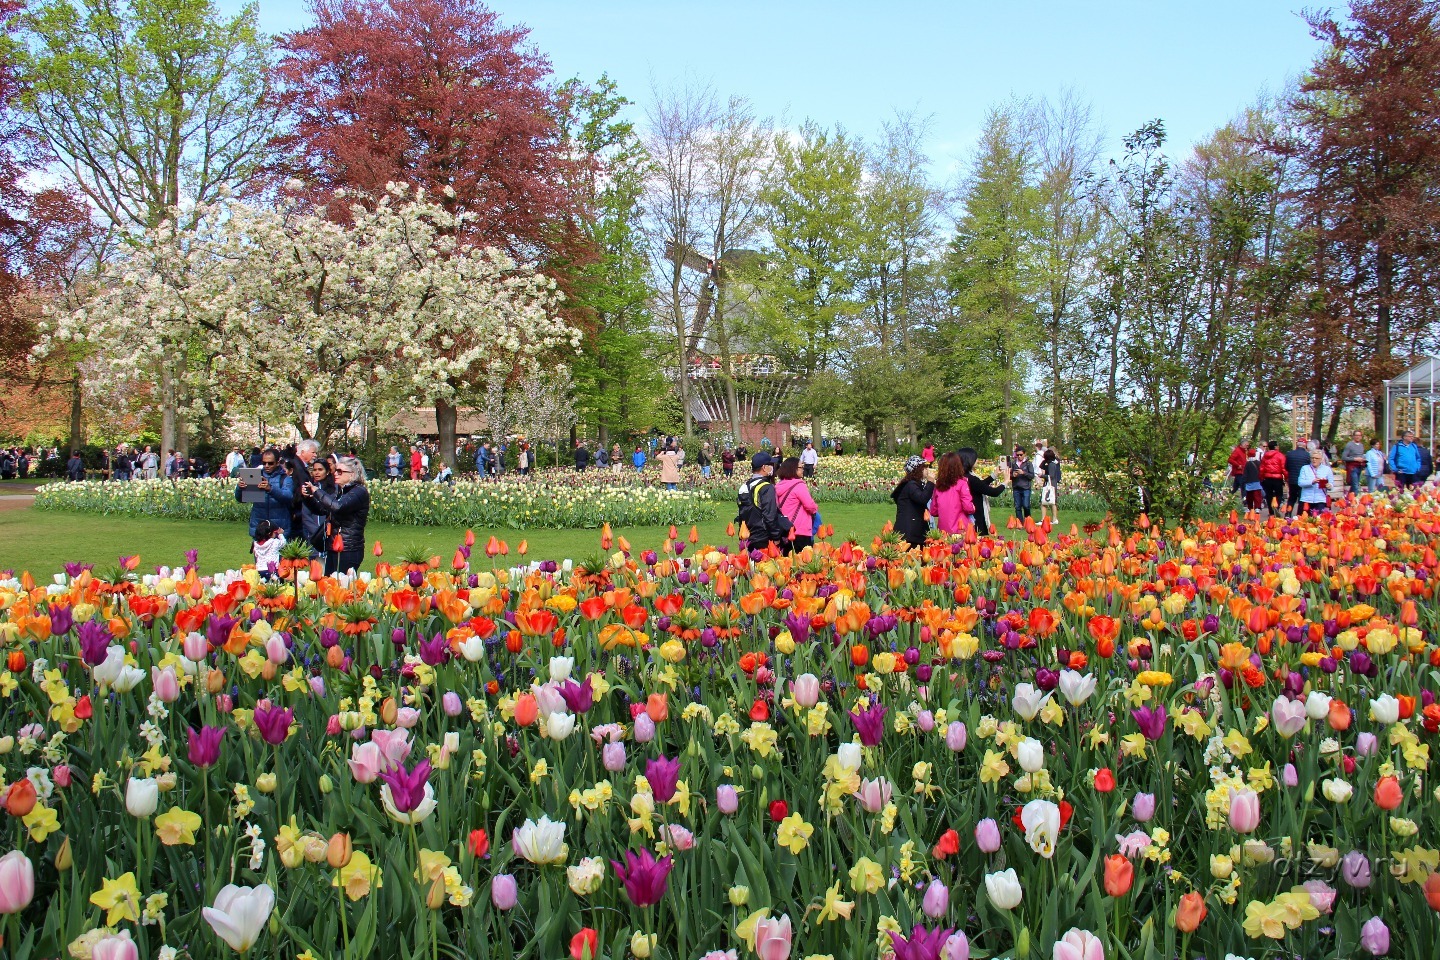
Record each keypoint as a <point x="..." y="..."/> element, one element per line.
<point x="1076" y="744"/>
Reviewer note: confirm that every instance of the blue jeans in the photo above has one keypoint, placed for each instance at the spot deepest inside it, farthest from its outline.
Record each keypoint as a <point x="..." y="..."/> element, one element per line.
<point x="1022" y="502"/>
<point x="1372" y="482"/>
<point x="705" y="471"/>
<point x="669" y="486"/>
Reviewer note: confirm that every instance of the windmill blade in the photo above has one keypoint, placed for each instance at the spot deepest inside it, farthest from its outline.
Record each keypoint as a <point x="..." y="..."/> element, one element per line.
<point x="693" y="260"/>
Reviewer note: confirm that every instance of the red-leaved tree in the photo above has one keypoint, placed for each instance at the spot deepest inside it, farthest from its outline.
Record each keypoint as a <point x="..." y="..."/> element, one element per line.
<point x="437" y="94"/>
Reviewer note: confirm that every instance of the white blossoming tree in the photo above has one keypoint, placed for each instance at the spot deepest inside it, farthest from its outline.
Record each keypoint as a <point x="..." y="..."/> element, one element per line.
<point x="286" y="314"/>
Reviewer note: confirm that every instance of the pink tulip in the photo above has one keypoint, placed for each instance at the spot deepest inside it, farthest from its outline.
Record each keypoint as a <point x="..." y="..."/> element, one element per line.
<point x="925" y="720"/>
<point x="17" y="882"/>
<point x="772" y="938"/>
<point x="1322" y="895"/>
<point x="644" y="728"/>
<point x="1289" y="716"/>
<point x="115" y="947"/>
<point x="1375" y="937"/>
<point x="987" y="835"/>
<point x="195" y="647"/>
<point x="366" y="762"/>
<point x="955" y="736"/>
<point x="874" y="794"/>
<point x="394" y="746"/>
<point x="1079" y="944"/>
<point x="275" y="650"/>
<point x="1290" y="776"/>
<point x="407" y="717"/>
<point x="806" y="690"/>
<point x="452" y="704"/>
<point x="678" y="837"/>
<point x="504" y="891"/>
<point x="612" y="757"/>
<point x="936" y="902"/>
<point x="61" y="775"/>
<point x="165" y="684"/>
<point x="549" y="699"/>
<point x="957" y="947"/>
<point x="1244" y="811"/>
<point x="1366" y="744"/>
<point x="727" y="799"/>
<point x="1142" y="808"/>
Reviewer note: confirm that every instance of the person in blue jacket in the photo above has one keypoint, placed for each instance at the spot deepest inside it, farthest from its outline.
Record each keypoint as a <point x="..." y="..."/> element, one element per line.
<point x="1405" y="461"/>
<point x="279" y="490"/>
<point x="638" y="459"/>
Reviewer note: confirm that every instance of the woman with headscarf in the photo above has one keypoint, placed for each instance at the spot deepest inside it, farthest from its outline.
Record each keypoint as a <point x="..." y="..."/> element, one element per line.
<point x="912" y="502"/>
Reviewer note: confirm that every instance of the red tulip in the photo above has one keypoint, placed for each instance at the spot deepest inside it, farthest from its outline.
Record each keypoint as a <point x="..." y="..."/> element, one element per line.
<point x="779" y="809"/>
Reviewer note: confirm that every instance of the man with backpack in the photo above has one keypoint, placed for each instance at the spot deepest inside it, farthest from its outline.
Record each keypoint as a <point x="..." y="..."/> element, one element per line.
<point x="759" y="511"/>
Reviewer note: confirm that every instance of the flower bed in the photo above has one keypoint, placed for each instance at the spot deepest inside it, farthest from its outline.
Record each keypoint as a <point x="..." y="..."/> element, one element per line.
<point x="1152" y="744"/>
<point x="517" y="504"/>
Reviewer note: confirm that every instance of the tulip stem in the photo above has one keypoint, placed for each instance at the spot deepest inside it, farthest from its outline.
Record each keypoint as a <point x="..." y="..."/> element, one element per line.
<point x="344" y="920"/>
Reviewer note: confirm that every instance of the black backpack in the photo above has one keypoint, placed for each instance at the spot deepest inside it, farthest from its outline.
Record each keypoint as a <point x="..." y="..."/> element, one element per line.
<point x="750" y="514"/>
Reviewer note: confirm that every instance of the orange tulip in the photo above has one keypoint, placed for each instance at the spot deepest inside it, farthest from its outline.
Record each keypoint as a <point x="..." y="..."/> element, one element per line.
<point x="657" y="707"/>
<point x="1190" y="913"/>
<point x="527" y="710"/>
<point x="1388" y="793"/>
<point x="21" y="798"/>
<point x="1432" y="891"/>
<point x="1339" y="715"/>
<point x="1119" y="875"/>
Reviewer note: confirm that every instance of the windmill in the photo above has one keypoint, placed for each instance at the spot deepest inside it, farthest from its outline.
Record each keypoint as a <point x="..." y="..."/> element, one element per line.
<point x="757" y="387"/>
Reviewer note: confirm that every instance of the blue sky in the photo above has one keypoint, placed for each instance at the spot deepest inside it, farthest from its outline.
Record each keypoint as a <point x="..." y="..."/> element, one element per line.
<point x="1195" y="65"/>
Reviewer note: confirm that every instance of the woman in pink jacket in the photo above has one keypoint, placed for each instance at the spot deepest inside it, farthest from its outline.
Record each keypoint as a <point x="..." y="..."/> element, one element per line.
<point x="793" y="498"/>
<point x="952" y="505"/>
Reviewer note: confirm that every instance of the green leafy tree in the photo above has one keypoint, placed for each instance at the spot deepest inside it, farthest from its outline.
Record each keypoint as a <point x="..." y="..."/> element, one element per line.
<point x="993" y="277"/>
<point x="615" y="379"/>
<point x="150" y="105"/>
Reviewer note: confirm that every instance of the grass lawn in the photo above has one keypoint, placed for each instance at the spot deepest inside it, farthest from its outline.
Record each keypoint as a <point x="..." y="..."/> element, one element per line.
<point x="42" y="541"/>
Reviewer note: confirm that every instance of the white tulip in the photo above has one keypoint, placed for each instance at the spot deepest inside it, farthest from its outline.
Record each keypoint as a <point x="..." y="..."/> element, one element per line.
<point x="560" y="725"/>
<point x="850" y="755"/>
<point x="1336" y="790"/>
<point x="1317" y="705"/>
<point x="109" y="669"/>
<point x="1031" y="754"/>
<point x="540" y="841"/>
<point x="560" y="668"/>
<point x="1004" y="889"/>
<point x="1385" y="709"/>
<point x="472" y="649"/>
<point x="1027" y="701"/>
<point x="1076" y="687"/>
<point x="142" y="796"/>
<point x="128" y="679"/>
<point x="1041" y="820"/>
<point x="240" y="914"/>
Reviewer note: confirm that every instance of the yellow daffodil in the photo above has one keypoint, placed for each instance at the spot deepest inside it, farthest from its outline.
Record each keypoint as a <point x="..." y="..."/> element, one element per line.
<point x="176" y="827"/>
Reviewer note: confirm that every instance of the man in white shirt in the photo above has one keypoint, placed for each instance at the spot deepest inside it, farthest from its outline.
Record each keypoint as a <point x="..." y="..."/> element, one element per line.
<point x="150" y="464"/>
<point x="809" y="457"/>
<point x="1039" y="457"/>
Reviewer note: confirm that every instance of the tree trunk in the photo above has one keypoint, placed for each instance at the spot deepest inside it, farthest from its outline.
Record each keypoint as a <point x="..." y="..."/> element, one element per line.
<point x="872" y="440"/>
<point x="446" y="416"/>
<point x="77" y="409"/>
<point x="1006" y="438"/>
<point x="1385" y="286"/>
<point x="1317" y="410"/>
<point x="168" y="440"/>
<point x="1262" y="415"/>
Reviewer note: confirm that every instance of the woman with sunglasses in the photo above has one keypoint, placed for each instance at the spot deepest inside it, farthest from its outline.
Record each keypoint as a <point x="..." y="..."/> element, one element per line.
<point x="348" y="506"/>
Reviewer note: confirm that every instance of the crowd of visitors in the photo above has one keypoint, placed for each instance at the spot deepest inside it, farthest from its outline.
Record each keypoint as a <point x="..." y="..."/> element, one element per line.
<point x="1286" y="480"/>
<point x="299" y="495"/>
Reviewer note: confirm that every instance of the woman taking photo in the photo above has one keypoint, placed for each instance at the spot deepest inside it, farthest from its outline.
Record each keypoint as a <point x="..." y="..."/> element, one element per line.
<point x="980" y="488"/>
<point x="952" y="504"/>
<point x="314" y="519"/>
<point x="349" y="507"/>
<point x="912" y="502"/>
<point x="793" y="498"/>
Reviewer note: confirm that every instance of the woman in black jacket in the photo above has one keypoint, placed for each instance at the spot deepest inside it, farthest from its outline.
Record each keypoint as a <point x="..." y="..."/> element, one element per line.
<point x="912" y="502"/>
<point x="348" y="507"/>
<point x="314" y="519"/>
<point x="980" y="488"/>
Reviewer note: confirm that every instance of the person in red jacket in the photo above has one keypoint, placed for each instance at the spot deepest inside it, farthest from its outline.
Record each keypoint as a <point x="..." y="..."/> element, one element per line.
<point x="1272" y="476"/>
<point x="1238" y="458"/>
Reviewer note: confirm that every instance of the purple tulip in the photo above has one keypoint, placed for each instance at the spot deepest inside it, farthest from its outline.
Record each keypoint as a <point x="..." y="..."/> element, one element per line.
<point x="870" y="724"/>
<point x="1143" y="807"/>
<point x="61" y="620"/>
<point x="416" y="578"/>
<point x="1366" y="744"/>
<point x="407" y="788"/>
<point x="612" y="757"/>
<point x="434" y="651"/>
<point x="644" y="876"/>
<point x="798" y="626"/>
<point x="1375" y="937"/>
<point x="1290" y="776"/>
<point x="1150" y="720"/>
<point x="1355" y="869"/>
<point x="662" y="775"/>
<point x="274" y="723"/>
<point x="217" y="629"/>
<point x="504" y="892"/>
<point x="205" y="745"/>
<point x="955" y="736"/>
<point x="644" y="728"/>
<point x="94" y="641"/>
<point x="936" y="902"/>
<point x="452" y="704"/>
<point x="329" y="637"/>
<point x="579" y="697"/>
<point x="922" y="944"/>
<point x="987" y="835"/>
<point x="727" y="799"/>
